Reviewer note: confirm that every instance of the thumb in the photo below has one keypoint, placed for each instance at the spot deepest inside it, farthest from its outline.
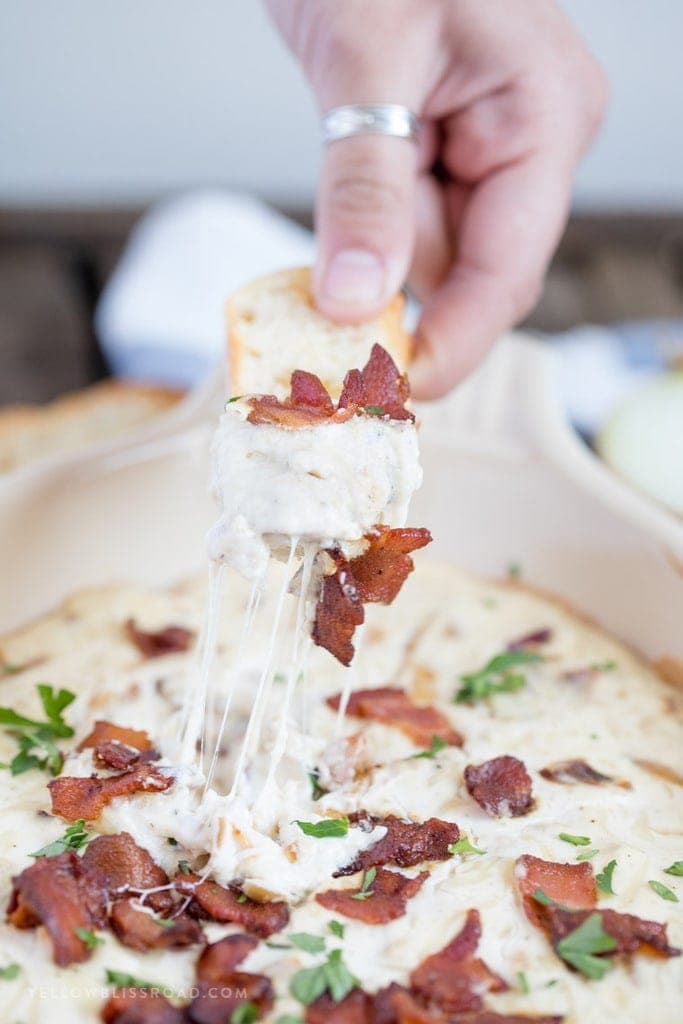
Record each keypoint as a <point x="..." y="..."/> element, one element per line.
<point x="365" y="225"/>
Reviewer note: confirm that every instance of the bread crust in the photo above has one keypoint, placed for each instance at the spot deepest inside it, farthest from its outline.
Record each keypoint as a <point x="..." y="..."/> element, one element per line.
<point x="387" y="329"/>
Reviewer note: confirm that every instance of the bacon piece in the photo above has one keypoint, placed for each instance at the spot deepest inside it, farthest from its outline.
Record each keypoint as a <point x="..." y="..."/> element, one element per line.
<point x="530" y="641"/>
<point x="119" y="867"/>
<point x="382" y="569"/>
<point x="572" y="885"/>
<point x="392" y="706"/>
<point x="141" y="930"/>
<point x="51" y="892"/>
<point x="574" y="771"/>
<point x="629" y="932"/>
<point x="308" y="390"/>
<point x="338" y="612"/>
<point x="501" y="786"/>
<point x="454" y="979"/>
<point x="354" y="1008"/>
<point x="390" y="894"/>
<point x="118" y="757"/>
<point x="105" y="732"/>
<point x="229" y="905"/>
<point x="74" y="798"/>
<point x="139" y="1006"/>
<point x="406" y="843"/>
<point x="170" y="640"/>
<point x="221" y="988"/>
<point x="379" y="385"/>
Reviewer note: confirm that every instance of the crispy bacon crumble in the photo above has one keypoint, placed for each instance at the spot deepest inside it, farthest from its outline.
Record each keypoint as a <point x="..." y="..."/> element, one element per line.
<point x="385" y="899"/>
<point x="405" y="844"/>
<point x="74" y="798"/>
<point x="572" y="885"/>
<point x="501" y="786"/>
<point x="391" y="705"/>
<point x="155" y="644"/>
<point x="214" y="901"/>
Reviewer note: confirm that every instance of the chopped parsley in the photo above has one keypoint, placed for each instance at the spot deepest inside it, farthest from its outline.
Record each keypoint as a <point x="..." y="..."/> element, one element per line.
<point x="663" y="890"/>
<point x="567" y="837"/>
<point x="328" y="828"/>
<point x="435" y="747"/>
<point x="245" y="1013"/>
<point x="523" y="983"/>
<point x="184" y="867"/>
<point x="332" y="976"/>
<point x="513" y="571"/>
<point x="309" y="943"/>
<point x="242" y="898"/>
<point x="587" y="854"/>
<point x="581" y="948"/>
<point x="121" y="979"/>
<point x="278" y="945"/>
<point x="10" y="972"/>
<point x="235" y="398"/>
<point x="365" y="892"/>
<point x="316" y="789"/>
<point x="603" y="879"/>
<point x="337" y="928"/>
<point x="374" y="410"/>
<point x="90" y="938"/>
<point x="36" y="740"/>
<point x="464" y="846"/>
<point x="74" y="838"/>
<point x="171" y="841"/>
<point x="497" y="676"/>
<point x="675" y="869"/>
<point x="542" y="897"/>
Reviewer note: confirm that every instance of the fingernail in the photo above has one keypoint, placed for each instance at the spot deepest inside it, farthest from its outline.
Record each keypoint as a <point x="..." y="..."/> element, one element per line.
<point x="354" y="277"/>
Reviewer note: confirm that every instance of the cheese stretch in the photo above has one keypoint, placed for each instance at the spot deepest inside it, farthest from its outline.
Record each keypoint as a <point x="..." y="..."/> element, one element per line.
<point x="327" y="483"/>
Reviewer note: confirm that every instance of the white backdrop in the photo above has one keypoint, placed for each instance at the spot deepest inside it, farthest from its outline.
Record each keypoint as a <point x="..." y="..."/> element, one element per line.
<point x="124" y="100"/>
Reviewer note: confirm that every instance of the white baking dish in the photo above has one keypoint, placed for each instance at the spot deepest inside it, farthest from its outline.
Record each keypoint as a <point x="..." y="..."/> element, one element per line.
<point x="506" y="481"/>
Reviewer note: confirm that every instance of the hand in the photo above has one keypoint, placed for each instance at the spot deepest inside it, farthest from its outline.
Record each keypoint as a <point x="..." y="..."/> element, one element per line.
<point x="510" y="97"/>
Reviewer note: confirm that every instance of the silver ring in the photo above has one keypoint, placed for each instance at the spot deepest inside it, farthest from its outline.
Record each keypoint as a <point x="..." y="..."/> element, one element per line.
<point x="370" y="119"/>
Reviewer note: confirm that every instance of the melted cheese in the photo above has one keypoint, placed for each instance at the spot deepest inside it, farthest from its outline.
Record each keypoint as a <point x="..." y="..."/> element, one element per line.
<point x="442" y="625"/>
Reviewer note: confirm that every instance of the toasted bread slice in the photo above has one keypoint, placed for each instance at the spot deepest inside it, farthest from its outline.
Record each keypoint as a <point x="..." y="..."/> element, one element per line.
<point x="72" y="422"/>
<point x="274" y="328"/>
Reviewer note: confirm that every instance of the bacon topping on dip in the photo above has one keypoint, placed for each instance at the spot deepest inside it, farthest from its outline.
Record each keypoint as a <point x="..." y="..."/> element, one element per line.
<point x="574" y="771"/>
<point x="392" y="706"/>
<point x="376" y="575"/>
<point x="355" y="1008"/>
<point x="454" y="979"/>
<point x="630" y="933"/>
<point x="170" y="640"/>
<point x="406" y="843"/>
<point x="106" y="732"/>
<point x="229" y="905"/>
<point x="222" y="988"/>
<point x="74" y="798"/>
<point x="501" y="786"/>
<point x="531" y="641"/>
<point x="122" y="868"/>
<point x="52" y="892"/>
<point x="572" y="885"/>
<point x="382" y="899"/>
<point x="378" y="389"/>
<point x="139" y="1006"/>
<point x="142" y="930"/>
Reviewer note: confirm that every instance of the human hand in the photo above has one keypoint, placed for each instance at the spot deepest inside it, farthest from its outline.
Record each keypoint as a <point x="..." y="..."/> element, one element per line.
<point x="510" y="98"/>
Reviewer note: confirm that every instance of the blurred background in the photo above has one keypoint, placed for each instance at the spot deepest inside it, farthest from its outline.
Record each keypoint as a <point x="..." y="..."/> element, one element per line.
<point x="107" y="108"/>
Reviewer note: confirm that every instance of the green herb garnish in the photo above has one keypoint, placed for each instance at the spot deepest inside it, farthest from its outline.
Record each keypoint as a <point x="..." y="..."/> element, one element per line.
<point x="513" y="571"/>
<point x="581" y="947"/>
<point x="121" y="979"/>
<point x="374" y="410"/>
<point x="36" y="740"/>
<point x="75" y="838"/>
<point x="523" y="983"/>
<point x="337" y="928"/>
<point x="328" y="828"/>
<point x="603" y="879"/>
<point x="309" y="943"/>
<point x="242" y="898"/>
<point x="171" y="841"/>
<point x="435" y="747"/>
<point x="365" y="892"/>
<point x="464" y="846"/>
<point x="184" y="867"/>
<point x="277" y="945"/>
<point x="497" y="676"/>
<point x="316" y="789"/>
<point x="90" y="938"/>
<point x="245" y="1013"/>
<point x="332" y="976"/>
<point x="675" y="869"/>
<point x="10" y="972"/>
<point x="663" y="890"/>
<point x="567" y="837"/>
<point x="587" y="854"/>
<point x="235" y="398"/>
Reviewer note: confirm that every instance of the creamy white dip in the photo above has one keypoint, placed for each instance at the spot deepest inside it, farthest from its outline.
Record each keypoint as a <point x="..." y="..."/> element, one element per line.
<point x="331" y="482"/>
